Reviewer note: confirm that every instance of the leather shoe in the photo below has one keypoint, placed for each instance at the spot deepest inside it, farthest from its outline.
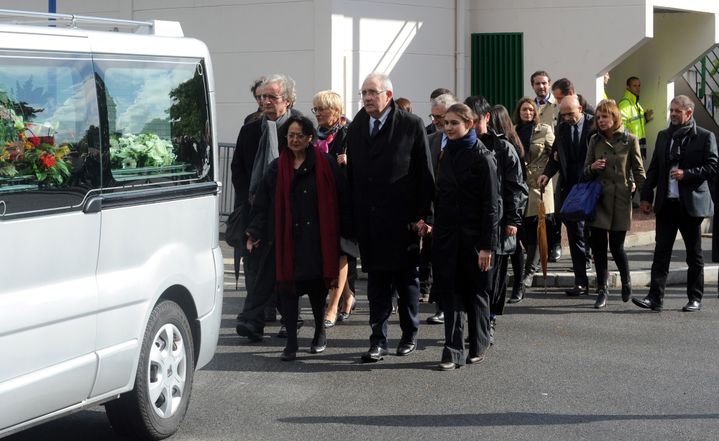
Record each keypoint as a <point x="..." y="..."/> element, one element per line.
<point x="475" y="359"/>
<point x="329" y="323"/>
<point x="245" y="329"/>
<point x="316" y="349"/>
<point x="555" y="254"/>
<point x="374" y="354"/>
<point x="447" y="366"/>
<point x="288" y="356"/>
<point x="517" y="295"/>
<point x="692" y="306"/>
<point x="626" y="292"/>
<point x="647" y="303"/>
<point x="577" y="291"/>
<point x="436" y="319"/>
<point x="405" y="348"/>
<point x="602" y="295"/>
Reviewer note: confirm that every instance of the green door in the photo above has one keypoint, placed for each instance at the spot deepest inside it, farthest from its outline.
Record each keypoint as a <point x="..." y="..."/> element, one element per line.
<point x="498" y="67"/>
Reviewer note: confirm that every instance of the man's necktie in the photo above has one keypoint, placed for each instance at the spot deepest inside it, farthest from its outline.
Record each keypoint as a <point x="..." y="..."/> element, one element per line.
<point x="375" y="128"/>
<point x="575" y="136"/>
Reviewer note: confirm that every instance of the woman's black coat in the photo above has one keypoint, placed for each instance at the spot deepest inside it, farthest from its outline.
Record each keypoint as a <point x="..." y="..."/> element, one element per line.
<point x="466" y="214"/>
<point x="305" y="214"/>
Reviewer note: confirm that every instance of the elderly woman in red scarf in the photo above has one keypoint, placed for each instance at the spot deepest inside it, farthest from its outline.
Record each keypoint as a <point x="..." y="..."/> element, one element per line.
<point x="298" y="208"/>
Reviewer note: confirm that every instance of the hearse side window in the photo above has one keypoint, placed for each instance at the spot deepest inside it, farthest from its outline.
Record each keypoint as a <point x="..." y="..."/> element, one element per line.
<point x="157" y="120"/>
<point x="50" y="151"/>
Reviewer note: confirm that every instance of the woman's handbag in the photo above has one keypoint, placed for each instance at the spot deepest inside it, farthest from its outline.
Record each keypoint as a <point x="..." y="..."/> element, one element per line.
<point x="581" y="202"/>
<point x="235" y="229"/>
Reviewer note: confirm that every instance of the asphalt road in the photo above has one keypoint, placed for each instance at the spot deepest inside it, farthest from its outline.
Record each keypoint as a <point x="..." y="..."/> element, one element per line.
<point x="560" y="370"/>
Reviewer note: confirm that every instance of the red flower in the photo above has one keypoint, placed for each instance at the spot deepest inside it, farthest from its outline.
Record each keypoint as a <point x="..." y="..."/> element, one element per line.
<point x="35" y="140"/>
<point x="48" y="160"/>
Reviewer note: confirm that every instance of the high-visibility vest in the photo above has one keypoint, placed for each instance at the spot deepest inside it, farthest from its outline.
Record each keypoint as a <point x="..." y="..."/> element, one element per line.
<point x="632" y="115"/>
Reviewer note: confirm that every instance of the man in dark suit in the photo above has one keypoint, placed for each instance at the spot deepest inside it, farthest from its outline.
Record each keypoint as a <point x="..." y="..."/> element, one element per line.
<point x="392" y="186"/>
<point x="683" y="164"/>
<point x="567" y="158"/>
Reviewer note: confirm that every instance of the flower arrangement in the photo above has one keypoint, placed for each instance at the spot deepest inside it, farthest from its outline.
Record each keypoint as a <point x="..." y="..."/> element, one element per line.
<point x="23" y="155"/>
<point x="143" y="150"/>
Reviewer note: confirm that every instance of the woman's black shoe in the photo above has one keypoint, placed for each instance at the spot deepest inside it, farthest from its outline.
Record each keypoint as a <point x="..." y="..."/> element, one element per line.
<point x="626" y="292"/>
<point x="602" y="295"/>
<point x="517" y="294"/>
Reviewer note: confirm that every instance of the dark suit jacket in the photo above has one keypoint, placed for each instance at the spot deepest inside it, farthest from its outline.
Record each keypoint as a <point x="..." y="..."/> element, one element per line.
<point x="435" y="148"/>
<point x="559" y="160"/>
<point x="392" y="186"/>
<point x="699" y="162"/>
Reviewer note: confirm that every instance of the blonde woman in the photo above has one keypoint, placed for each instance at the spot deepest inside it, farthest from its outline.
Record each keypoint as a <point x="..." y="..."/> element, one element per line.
<point x="331" y="139"/>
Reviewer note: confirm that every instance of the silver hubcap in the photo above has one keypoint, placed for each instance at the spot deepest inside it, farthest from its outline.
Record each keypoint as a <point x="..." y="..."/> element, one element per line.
<point x="167" y="372"/>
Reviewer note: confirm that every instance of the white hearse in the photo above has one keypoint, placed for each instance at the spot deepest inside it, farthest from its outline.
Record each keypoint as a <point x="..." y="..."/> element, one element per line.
<point x="111" y="276"/>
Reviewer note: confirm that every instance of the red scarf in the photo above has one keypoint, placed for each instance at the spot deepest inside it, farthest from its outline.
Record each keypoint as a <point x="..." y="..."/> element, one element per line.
<point x="327" y="209"/>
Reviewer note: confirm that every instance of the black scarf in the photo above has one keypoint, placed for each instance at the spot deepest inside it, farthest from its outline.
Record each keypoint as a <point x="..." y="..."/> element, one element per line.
<point x="680" y="138"/>
<point x="525" y="130"/>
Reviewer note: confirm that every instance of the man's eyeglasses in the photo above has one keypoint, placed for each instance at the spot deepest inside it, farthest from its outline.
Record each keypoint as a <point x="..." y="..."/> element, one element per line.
<point x="316" y="110"/>
<point x="436" y="117"/>
<point x="371" y="93"/>
<point x="269" y="97"/>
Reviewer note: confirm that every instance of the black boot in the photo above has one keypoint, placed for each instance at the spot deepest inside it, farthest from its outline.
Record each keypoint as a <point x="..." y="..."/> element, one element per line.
<point x="602" y="295"/>
<point x="517" y="293"/>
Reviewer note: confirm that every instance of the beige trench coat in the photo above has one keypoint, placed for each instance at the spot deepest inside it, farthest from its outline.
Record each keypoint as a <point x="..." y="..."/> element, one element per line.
<point x="536" y="157"/>
<point x="624" y="166"/>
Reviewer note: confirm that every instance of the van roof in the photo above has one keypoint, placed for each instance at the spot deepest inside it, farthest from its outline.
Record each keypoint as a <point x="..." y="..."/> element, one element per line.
<point x="54" y="22"/>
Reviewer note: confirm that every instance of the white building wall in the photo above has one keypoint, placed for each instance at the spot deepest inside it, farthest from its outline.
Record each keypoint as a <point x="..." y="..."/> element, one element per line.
<point x="576" y="39"/>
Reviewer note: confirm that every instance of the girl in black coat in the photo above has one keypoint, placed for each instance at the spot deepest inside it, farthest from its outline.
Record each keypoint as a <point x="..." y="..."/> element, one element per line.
<point x="465" y="237"/>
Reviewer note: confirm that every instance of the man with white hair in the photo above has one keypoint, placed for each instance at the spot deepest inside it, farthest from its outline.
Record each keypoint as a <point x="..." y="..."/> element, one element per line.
<point x="683" y="164"/>
<point x="392" y="185"/>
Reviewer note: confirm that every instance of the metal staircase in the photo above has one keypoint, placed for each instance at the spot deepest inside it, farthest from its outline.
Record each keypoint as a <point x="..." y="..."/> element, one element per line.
<point x="703" y="79"/>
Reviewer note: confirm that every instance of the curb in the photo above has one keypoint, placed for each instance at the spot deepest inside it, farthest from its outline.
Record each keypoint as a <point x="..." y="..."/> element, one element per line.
<point x="676" y="276"/>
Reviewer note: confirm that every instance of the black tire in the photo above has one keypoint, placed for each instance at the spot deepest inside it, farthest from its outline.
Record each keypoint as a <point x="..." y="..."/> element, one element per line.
<point x="135" y="413"/>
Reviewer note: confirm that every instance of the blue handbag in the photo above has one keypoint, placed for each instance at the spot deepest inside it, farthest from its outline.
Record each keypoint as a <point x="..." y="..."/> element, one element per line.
<point x="581" y="202"/>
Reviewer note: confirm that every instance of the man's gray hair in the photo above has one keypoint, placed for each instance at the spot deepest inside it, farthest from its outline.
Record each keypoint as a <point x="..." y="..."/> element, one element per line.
<point x="446" y="99"/>
<point x="684" y="102"/>
<point x="383" y="79"/>
<point x="286" y="83"/>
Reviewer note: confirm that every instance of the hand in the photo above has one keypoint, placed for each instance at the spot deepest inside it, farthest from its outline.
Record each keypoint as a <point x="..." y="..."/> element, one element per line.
<point x="510" y="230"/>
<point x="542" y="180"/>
<point x="632" y="187"/>
<point x="421" y="228"/>
<point x="648" y="115"/>
<point x="599" y="164"/>
<point x="646" y="207"/>
<point x="342" y="159"/>
<point x="251" y="244"/>
<point x="677" y="174"/>
<point x="484" y="260"/>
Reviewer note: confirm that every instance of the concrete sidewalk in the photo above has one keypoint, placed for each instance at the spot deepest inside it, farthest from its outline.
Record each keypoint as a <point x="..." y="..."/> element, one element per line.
<point x="640" y="251"/>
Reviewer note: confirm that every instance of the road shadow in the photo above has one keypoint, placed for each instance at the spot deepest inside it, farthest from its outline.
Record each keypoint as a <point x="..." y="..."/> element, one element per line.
<point x="484" y="419"/>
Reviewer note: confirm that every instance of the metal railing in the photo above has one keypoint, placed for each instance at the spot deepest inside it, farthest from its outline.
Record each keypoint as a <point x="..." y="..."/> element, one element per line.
<point x="227" y="198"/>
<point x="703" y="78"/>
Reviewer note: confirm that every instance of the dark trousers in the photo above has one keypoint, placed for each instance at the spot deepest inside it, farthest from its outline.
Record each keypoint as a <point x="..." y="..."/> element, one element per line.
<point x="671" y="218"/>
<point x="498" y="277"/>
<point x="616" y="246"/>
<point x="425" y="265"/>
<point x="577" y="249"/>
<point x="471" y="298"/>
<point x="380" y="286"/>
<point x="289" y="306"/>
<point x="351" y="272"/>
<point x="260" y="284"/>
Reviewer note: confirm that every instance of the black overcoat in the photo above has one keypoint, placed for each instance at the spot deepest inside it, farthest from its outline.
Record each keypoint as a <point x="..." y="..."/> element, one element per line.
<point x="305" y="214"/>
<point x="392" y="186"/>
<point x="466" y="216"/>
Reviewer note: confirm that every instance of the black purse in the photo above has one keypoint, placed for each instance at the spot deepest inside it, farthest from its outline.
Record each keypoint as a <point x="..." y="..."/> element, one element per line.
<point x="235" y="229"/>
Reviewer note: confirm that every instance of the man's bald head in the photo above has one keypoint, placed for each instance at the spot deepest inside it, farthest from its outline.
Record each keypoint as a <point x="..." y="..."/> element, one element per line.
<point x="570" y="110"/>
